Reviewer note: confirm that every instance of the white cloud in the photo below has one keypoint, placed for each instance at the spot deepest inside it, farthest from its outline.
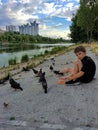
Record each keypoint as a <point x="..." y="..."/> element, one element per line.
<point x="55" y="33"/>
<point x="22" y="17"/>
<point x="58" y="25"/>
<point x="48" y="8"/>
<point x="24" y="1"/>
<point x="0" y="2"/>
<point x="62" y="11"/>
<point x="42" y="26"/>
<point x="18" y="12"/>
<point x="69" y="5"/>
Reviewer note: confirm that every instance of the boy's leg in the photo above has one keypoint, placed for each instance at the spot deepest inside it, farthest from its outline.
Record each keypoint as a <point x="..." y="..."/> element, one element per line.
<point x="77" y="66"/>
<point x="76" y="69"/>
<point x="70" y="70"/>
<point x="61" y="80"/>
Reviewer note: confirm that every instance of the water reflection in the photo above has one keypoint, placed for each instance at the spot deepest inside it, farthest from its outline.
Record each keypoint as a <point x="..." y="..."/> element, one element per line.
<point x="5" y="56"/>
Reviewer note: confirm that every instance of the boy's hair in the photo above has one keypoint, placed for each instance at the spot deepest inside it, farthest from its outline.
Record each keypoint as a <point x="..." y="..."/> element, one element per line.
<point x="79" y="48"/>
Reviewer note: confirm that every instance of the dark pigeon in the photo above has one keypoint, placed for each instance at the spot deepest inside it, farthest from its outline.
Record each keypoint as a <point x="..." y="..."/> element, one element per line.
<point x="14" y="84"/>
<point x="44" y="82"/>
<point x="58" y="72"/>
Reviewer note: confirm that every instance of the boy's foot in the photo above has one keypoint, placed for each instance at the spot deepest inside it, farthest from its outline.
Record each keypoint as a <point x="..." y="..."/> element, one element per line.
<point x="61" y="82"/>
<point x="71" y="82"/>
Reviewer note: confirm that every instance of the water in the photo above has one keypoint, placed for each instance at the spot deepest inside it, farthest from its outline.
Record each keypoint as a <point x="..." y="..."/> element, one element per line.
<point x="52" y="45"/>
<point x="4" y="57"/>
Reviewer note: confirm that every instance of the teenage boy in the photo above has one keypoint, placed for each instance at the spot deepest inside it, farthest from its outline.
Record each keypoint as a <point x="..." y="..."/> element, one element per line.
<point x="83" y="71"/>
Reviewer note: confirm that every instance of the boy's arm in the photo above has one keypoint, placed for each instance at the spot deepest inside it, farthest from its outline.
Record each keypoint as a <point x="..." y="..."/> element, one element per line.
<point x="75" y="76"/>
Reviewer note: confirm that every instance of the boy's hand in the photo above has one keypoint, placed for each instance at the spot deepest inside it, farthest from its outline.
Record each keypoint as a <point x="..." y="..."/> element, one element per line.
<point x="69" y="78"/>
<point x="63" y="78"/>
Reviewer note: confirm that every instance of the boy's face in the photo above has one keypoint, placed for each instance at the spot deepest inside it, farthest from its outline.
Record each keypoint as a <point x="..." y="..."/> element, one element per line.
<point x="80" y="55"/>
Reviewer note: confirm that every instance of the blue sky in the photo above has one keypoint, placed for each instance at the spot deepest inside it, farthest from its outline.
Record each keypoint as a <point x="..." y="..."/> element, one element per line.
<point x="53" y="16"/>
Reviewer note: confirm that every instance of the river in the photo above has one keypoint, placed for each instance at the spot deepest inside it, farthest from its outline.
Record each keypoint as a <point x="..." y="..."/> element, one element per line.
<point x="4" y="57"/>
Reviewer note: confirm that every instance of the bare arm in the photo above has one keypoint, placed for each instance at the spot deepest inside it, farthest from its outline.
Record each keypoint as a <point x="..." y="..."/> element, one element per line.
<point x="75" y="76"/>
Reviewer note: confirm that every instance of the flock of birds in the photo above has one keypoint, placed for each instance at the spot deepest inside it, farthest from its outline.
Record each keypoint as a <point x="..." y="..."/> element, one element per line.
<point x="41" y="75"/>
<point x="38" y="73"/>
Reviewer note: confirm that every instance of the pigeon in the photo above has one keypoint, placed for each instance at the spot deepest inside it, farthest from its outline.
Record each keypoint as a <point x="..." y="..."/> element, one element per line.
<point x="53" y="61"/>
<point x="51" y="67"/>
<point x="36" y="72"/>
<point x="14" y="84"/>
<point x="25" y="69"/>
<point x="58" y="72"/>
<point x="44" y="82"/>
<point x="39" y="73"/>
<point x="5" y="104"/>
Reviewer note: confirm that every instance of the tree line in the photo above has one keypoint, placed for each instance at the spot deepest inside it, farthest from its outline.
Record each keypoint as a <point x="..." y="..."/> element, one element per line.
<point x="84" y="26"/>
<point x="14" y="38"/>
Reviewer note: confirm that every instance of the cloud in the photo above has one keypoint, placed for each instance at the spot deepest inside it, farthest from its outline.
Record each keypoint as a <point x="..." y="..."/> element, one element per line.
<point x="61" y="9"/>
<point x="52" y="32"/>
<point x="47" y="8"/>
<point x="42" y="26"/>
<point x="18" y="12"/>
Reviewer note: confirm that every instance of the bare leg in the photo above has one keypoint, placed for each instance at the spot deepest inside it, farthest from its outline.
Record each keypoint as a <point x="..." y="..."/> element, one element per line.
<point x="77" y="67"/>
<point x="70" y="70"/>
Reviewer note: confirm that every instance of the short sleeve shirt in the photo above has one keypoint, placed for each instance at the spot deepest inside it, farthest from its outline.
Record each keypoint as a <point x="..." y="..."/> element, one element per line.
<point x="89" y="69"/>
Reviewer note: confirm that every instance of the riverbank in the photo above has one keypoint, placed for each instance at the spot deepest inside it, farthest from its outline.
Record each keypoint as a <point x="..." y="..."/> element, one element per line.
<point x="33" y="62"/>
<point x="63" y="107"/>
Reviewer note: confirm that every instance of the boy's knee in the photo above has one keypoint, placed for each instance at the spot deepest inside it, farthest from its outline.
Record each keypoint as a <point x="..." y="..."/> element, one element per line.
<point x="77" y="62"/>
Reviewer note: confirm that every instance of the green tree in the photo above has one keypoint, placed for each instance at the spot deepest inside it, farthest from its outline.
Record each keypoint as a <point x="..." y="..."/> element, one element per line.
<point x="77" y="33"/>
<point x="86" y="19"/>
<point x="90" y="3"/>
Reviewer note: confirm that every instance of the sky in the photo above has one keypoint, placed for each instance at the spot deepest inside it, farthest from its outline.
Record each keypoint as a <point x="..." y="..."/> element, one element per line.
<point x="53" y="16"/>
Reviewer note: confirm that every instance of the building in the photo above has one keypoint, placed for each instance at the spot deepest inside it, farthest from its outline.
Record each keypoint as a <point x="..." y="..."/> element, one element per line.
<point x="31" y="29"/>
<point x="11" y="28"/>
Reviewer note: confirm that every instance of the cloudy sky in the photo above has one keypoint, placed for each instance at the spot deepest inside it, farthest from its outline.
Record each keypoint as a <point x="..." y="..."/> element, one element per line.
<point x="53" y="16"/>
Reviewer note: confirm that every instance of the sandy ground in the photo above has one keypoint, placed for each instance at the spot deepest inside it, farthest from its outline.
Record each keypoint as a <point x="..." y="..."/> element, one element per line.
<point x="76" y="105"/>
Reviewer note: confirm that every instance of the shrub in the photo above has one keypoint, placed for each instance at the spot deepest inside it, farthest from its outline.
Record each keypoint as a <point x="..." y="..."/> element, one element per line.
<point x="24" y="58"/>
<point x="46" y="51"/>
<point x="12" y="61"/>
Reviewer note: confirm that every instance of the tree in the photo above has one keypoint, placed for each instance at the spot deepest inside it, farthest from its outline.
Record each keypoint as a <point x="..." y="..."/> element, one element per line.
<point x="77" y="33"/>
<point x="86" y="19"/>
<point x="90" y="3"/>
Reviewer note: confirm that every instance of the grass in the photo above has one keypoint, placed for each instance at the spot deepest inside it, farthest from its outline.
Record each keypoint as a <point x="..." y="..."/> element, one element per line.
<point x="94" y="47"/>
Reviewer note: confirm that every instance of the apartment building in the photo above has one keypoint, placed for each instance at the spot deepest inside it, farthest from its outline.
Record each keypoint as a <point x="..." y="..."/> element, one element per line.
<point x="29" y="28"/>
<point x="11" y="28"/>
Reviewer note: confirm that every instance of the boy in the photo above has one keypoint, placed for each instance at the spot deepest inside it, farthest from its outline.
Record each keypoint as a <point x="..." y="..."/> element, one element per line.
<point x="83" y="71"/>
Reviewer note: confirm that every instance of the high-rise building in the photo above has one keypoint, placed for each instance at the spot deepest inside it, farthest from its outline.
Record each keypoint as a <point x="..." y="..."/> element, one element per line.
<point x="31" y="29"/>
<point x="11" y="28"/>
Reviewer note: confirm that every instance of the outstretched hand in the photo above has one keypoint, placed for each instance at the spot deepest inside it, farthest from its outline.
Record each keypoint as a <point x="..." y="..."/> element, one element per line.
<point x="63" y="78"/>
